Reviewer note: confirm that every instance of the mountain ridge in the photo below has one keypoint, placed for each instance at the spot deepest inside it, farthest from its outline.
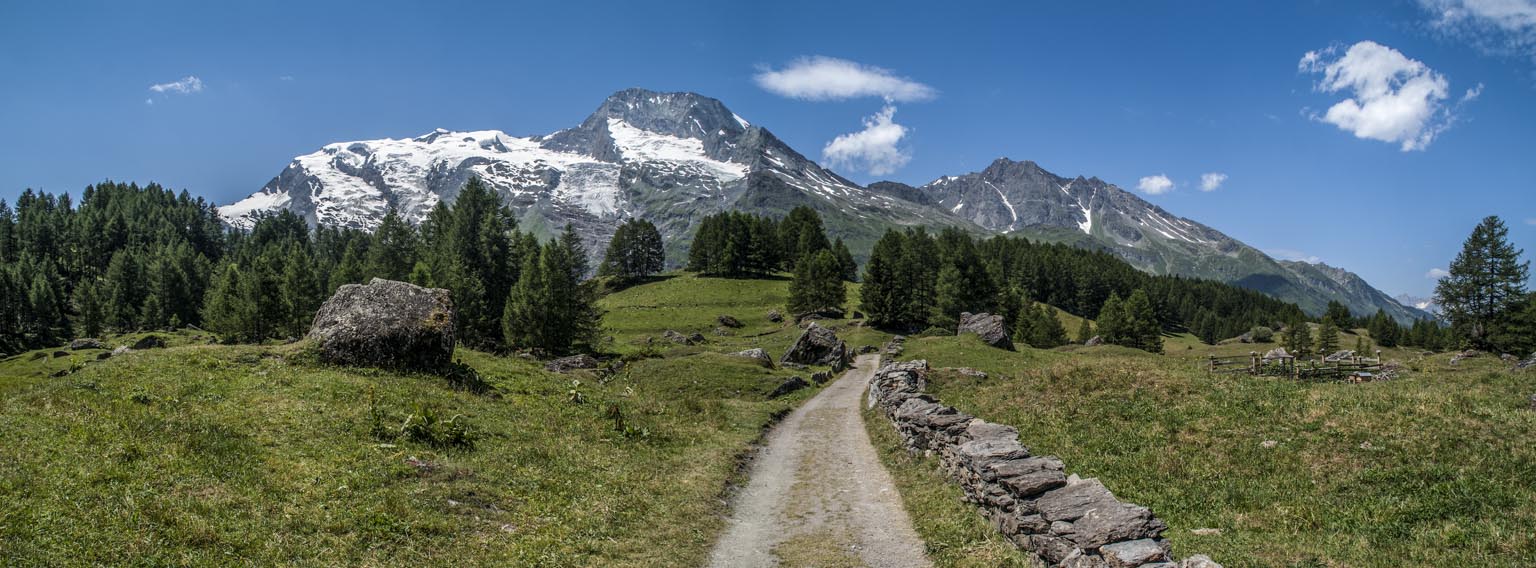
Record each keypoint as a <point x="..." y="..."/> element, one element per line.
<point x="673" y="158"/>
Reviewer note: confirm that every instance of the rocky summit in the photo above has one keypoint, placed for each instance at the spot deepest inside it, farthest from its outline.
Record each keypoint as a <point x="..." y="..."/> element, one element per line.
<point x="673" y="158"/>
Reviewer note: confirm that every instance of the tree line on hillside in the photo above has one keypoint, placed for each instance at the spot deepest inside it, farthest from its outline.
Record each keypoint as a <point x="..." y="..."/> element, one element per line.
<point x="132" y="258"/>
<point x="915" y="280"/>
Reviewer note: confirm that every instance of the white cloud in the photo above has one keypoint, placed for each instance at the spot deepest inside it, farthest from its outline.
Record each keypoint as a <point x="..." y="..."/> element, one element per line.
<point x="1473" y="93"/>
<point x="1391" y="98"/>
<point x="1288" y="254"/>
<point x="186" y="86"/>
<point x="285" y="78"/>
<point x="1530" y="220"/>
<point x="1500" y="27"/>
<point x="873" y="149"/>
<point x="1155" y="185"/>
<point x="821" y="78"/>
<point x="1211" y="181"/>
<point x="1436" y="273"/>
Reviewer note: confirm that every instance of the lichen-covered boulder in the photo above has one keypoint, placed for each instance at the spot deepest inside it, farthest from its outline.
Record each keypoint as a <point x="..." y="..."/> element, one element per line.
<point x="818" y="346"/>
<point x="385" y="323"/>
<point x="992" y="329"/>
<point x="757" y="354"/>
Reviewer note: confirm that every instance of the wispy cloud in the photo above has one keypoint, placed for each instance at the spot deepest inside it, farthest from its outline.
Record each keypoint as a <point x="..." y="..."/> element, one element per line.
<point x="874" y="149"/>
<point x="1155" y="185"/>
<point x="1211" y="181"/>
<point x="1436" y="273"/>
<point x="1390" y="97"/>
<point x="186" y="86"/>
<point x="821" y="78"/>
<point x="1530" y="220"/>
<point x="1497" y="27"/>
<point x="285" y="78"/>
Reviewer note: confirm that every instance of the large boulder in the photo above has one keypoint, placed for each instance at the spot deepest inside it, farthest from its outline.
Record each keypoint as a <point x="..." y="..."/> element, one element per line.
<point x="991" y="328"/>
<point x="149" y="342"/>
<point x="386" y="323"/>
<point x="818" y="346"/>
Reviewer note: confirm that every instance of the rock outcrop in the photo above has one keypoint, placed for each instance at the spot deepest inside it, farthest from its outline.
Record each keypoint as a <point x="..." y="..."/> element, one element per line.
<point x="681" y="339"/>
<point x="793" y="384"/>
<point x="991" y="328"/>
<point x="572" y="363"/>
<point x="1064" y="520"/>
<point x="149" y="342"/>
<point x="818" y="345"/>
<point x="86" y="343"/>
<point x="385" y="323"/>
<point x="757" y="354"/>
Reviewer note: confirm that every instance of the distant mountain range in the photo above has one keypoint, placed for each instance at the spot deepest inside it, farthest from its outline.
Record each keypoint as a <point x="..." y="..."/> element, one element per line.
<point x="673" y="158"/>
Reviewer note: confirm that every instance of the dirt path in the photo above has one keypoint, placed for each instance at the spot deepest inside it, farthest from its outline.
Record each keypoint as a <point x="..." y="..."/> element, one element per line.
<point x="818" y="495"/>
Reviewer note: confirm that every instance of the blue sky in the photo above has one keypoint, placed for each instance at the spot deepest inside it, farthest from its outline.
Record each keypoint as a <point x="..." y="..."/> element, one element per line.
<point x="1123" y="91"/>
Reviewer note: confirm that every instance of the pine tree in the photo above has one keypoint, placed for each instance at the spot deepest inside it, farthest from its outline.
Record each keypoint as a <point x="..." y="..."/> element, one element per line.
<point x="1112" y="324"/>
<point x="1144" y="329"/>
<point x="818" y="285"/>
<point x="353" y="268"/>
<point x="392" y="252"/>
<point x="635" y="253"/>
<point x="124" y="291"/>
<point x="1084" y="332"/>
<point x="225" y="312"/>
<point x="1297" y="338"/>
<point x="1040" y="328"/>
<point x="91" y="307"/>
<point x="884" y="296"/>
<point x="300" y="291"/>
<point x="849" y="267"/>
<point x="46" y="319"/>
<point x="1485" y="285"/>
<point x="1327" y="337"/>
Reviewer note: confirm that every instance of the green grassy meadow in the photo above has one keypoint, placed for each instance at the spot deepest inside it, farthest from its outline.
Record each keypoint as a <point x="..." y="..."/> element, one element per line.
<point x="1432" y="469"/>
<point x="236" y="455"/>
<point x="203" y="454"/>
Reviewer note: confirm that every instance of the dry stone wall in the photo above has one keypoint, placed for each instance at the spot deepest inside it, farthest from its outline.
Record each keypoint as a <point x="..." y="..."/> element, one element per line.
<point x="1064" y="520"/>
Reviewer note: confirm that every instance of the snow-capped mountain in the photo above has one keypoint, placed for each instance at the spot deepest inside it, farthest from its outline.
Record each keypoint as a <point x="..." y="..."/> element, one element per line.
<point x="1022" y="197"/>
<point x="1426" y="304"/>
<point x="671" y="158"/>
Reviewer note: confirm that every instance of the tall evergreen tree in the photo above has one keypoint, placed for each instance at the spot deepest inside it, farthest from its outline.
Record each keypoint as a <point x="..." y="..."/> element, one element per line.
<point x="1485" y="285"/>
<point x="392" y="252"/>
<point x="1143" y="328"/>
<point x="849" y="267"/>
<point x="1084" y="332"/>
<point x="1113" y="325"/>
<point x="885" y="296"/>
<point x="91" y="307"/>
<point x="124" y="291"/>
<point x="635" y="253"/>
<point x="817" y="285"/>
<point x="1327" y="341"/>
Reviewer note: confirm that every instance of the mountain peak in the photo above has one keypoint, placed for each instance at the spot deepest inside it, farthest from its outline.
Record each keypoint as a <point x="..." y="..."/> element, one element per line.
<point x="682" y="115"/>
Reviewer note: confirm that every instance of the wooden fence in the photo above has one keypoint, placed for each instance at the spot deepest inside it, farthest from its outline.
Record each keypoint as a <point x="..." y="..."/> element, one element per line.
<point x="1353" y="369"/>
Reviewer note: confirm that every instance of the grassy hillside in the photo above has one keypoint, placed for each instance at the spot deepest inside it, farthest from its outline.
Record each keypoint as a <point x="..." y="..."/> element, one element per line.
<point x="203" y="454"/>
<point x="1432" y="469"/>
